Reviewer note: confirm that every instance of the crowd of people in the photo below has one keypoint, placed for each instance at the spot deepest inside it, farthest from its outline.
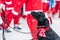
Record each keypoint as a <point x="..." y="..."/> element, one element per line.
<point x="11" y="9"/>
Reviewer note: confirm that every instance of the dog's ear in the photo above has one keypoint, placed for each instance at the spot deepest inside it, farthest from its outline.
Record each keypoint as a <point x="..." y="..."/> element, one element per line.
<point x="46" y="21"/>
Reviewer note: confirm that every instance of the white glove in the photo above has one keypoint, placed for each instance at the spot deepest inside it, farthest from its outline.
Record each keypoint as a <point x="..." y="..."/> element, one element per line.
<point x="14" y="12"/>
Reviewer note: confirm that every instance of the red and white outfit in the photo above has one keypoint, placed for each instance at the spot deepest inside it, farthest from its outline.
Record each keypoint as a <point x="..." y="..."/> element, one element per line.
<point x="1" y="7"/>
<point x="12" y="11"/>
<point x="32" y="23"/>
<point x="34" y="5"/>
<point x="56" y="8"/>
<point x="45" y="5"/>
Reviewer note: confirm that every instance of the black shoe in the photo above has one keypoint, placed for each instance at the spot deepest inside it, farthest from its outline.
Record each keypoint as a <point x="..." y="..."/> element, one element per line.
<point x="16" y="27"/>
<point x="7" y="30"/>
<point x="0" y="28"/>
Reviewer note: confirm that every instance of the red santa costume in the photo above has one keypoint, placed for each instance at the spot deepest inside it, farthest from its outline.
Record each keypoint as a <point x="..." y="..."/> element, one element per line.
<point x="57" y="8"/>
<point x="3" y="16"/>
<point x="33" y="5"/>
<point x="1" y="7"/>
<point x="12" y="11"/>
<point x="45" y="5"/>
<point x="58" y="4"/>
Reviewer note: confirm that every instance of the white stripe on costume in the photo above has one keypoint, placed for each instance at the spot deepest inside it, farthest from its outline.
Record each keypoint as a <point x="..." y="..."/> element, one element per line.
<point x="10" y="8"/>
<point x="45" y="1"/>
<point x="8" y="2"/>
<point x="38" y="10"/>
<point x="14" y="12"/>
<point x="29" y="12"/>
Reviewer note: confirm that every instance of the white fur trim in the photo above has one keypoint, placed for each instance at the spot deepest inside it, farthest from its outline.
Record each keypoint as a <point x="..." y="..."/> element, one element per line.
<point x="8" y="2"/>
<point x="11" y="8"/>
<point x="14" y="12"/>
<point x="38" y="10"/>
<point x="45" y="1"/>
<point x="27" y="12"/>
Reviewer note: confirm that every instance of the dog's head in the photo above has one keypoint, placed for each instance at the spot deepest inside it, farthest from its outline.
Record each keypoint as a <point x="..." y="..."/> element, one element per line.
<point x="40" y="16"/>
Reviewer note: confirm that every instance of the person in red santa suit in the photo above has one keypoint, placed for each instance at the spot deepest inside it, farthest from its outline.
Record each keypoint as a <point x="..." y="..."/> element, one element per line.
<point x="12" y="11"/>
<point x="3" y="16"/>
<point x="56" y="8"/>
<point x="32" y="5"/>
<point x="35" y="5"/>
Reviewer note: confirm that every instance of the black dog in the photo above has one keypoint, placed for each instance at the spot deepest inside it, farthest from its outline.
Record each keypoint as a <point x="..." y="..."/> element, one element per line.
<point x="40" y="16"/>
<point x="50" y="34"/>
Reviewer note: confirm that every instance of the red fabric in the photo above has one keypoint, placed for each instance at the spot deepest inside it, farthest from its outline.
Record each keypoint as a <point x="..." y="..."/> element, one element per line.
<point x="42" y="31"/>
<point x="8" y="13"/>
<point x="0" y="26"/>
<point x="18" y="5"/>
<point x="50" y="19"/>
<point x="56" y="8"/>
<point x="58" y="4"/>
<point x="45" y="7"/>
<point x="10" y="16"/>
<point x="33" y="5"/>
<point x="5" y="26"/>
<point x="59" y="14"/>
<point x="32" y="23"/>
<point x="24" y="16"/>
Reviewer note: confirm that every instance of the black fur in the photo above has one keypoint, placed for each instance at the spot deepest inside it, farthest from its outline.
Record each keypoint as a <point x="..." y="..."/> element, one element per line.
<point x="40" y="16"/>
<point x="50" y="34"/>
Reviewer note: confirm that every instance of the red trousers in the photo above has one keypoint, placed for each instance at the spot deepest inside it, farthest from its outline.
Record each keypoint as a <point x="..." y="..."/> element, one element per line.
<point x="56" y="8"/>
<point x="32" y="23"/>
<point x="8" y="18"/>
<point x="50" y="19"/>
